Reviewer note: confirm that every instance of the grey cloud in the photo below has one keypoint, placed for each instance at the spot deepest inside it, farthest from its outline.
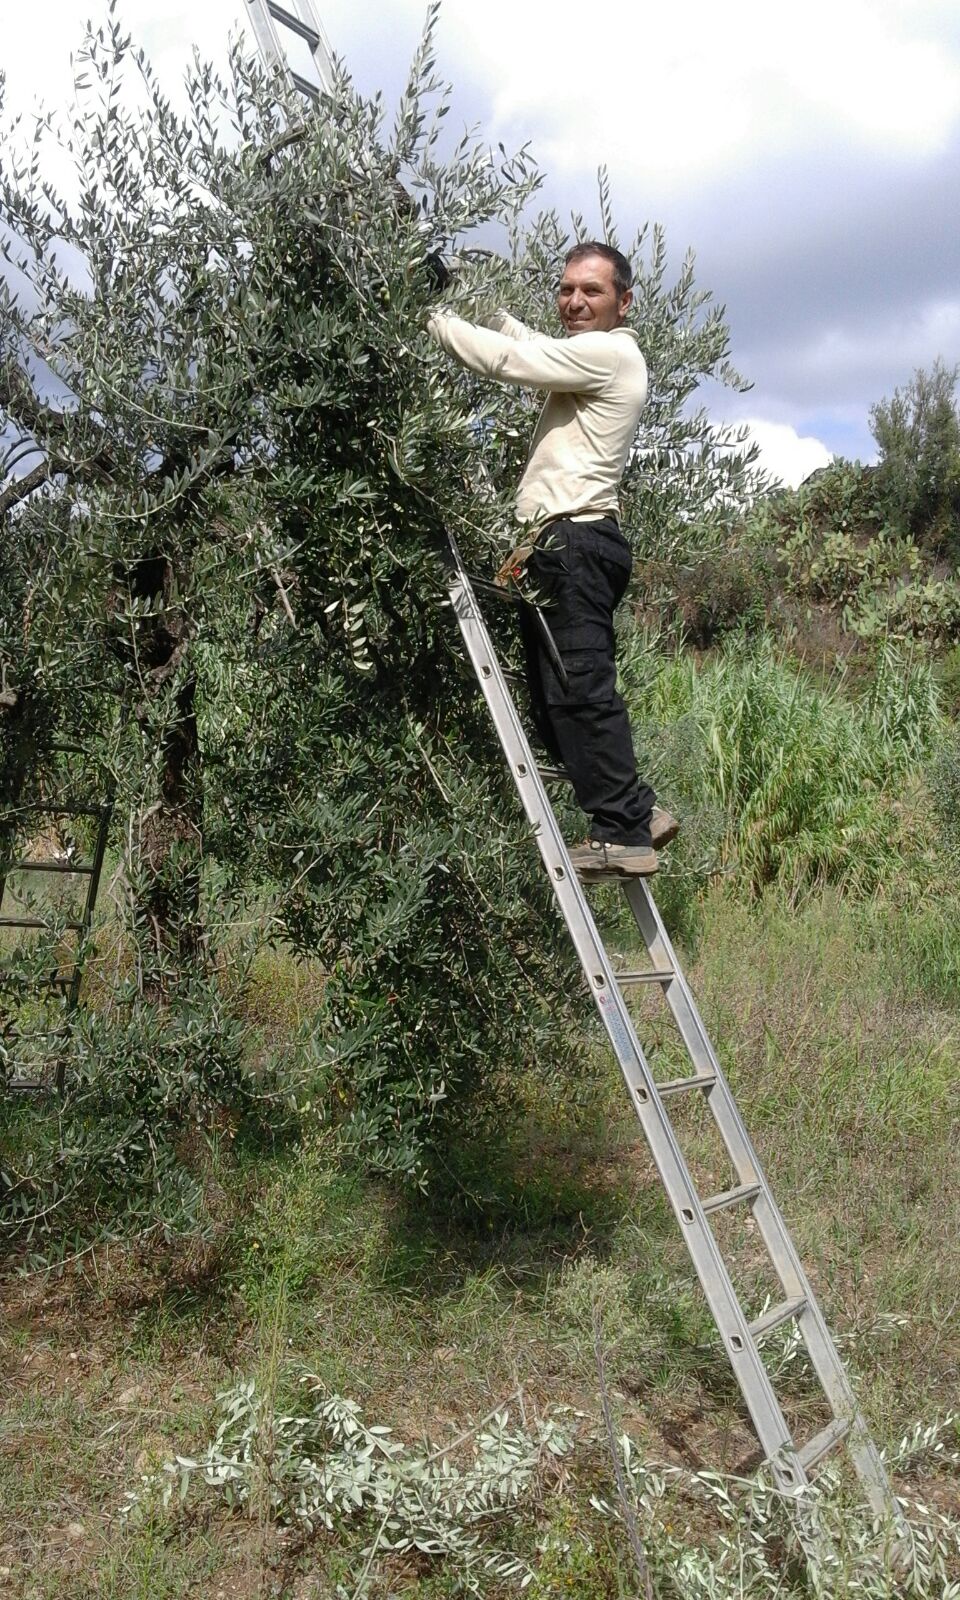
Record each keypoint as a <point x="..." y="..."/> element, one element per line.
<point x="823" y="243"/>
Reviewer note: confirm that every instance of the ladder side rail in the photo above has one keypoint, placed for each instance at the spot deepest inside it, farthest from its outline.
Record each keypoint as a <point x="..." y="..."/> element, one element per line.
<point x="93" y="889"/>
<point x="265" y="33"/>
<point x="323" y="53"/>
<point x="822" y="1350"/>
<point x="756" y="1387"/>
<point x="96" y="865"/>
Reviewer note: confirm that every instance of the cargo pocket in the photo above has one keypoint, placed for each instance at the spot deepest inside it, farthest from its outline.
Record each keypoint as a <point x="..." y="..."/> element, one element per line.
<point x="591" y="679"/>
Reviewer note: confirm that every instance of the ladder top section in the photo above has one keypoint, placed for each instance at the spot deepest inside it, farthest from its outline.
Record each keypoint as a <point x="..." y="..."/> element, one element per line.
<point x="291" y="36"/>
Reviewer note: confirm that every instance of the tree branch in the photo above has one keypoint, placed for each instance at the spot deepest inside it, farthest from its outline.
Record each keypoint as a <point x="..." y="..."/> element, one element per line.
<point x="19" y="488"/>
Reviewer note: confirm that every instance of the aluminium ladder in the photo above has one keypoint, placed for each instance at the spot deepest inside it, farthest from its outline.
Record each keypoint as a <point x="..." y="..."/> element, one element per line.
<point x="790" y="1463"/>
<point x="64" y="977"/>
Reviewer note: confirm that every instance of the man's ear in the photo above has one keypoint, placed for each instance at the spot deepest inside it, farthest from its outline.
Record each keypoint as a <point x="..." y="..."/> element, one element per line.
<point x="626" y="301"/>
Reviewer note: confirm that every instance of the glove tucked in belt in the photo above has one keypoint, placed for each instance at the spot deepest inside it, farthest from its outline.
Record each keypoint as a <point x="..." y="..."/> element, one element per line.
<point x="513" y="568"/>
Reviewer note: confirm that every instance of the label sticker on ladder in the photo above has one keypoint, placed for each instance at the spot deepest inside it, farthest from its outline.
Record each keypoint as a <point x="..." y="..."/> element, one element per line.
<point x="616" y="1027"/>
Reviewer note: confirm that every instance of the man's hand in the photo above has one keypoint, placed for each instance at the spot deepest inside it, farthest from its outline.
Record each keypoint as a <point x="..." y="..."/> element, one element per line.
<point x="514" y="567"/>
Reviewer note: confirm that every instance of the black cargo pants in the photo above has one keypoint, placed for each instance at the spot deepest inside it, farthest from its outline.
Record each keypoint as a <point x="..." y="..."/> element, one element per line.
<point x="578" y="573"/>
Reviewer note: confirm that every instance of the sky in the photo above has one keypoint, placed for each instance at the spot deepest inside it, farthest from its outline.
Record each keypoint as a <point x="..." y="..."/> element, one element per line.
<point x="810" y="156"/>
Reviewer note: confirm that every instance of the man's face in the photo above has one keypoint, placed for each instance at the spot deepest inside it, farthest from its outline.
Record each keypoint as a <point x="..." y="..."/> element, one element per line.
<point x="587" y="299"/>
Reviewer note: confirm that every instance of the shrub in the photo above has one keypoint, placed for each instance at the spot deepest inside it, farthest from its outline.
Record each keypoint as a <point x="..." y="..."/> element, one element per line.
<point x="929" y="611"/>
<point x="839" y="551"/>
<point x="839" y="498"/>
<point x="839" y="568"/>
<point x="918" y="479"/>
<point x="727" y="592"/>
<point x="833" y="539"/>
<point x="148" y="1091"/>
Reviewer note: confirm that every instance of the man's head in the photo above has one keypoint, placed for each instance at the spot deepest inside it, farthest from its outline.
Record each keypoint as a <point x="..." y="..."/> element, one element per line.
<point x="594" y="294"/>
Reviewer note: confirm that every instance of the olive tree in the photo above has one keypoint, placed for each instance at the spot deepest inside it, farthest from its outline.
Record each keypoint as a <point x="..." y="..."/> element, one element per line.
<point x="237" y="524"/>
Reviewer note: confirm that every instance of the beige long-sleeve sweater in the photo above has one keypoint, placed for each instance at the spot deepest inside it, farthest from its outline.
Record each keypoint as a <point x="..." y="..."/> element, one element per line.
<point x="596" y="388"/>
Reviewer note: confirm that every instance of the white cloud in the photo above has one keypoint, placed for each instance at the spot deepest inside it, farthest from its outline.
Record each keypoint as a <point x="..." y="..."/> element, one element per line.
<point x="785" y="454"/>
<point x="663" y="98"/>
<point x="35" y="52"/>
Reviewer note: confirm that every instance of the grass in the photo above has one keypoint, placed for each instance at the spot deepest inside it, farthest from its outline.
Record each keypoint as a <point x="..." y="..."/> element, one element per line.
<point x="430" y="1310"/>
<point x="791" y="784"/>
<point x="838" y="1021"/>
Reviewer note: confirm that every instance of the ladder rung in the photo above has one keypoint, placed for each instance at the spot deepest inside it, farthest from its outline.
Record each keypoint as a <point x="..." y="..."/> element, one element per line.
<point x="731" y="1197"/>
<point x="823" y="1442"/>
<point x="658" y="975"/>
<point x="496" y="591"/>
<point x="706" y="1080"/>
<point x="35" y="922"/>
<point x="65" y="811"/>
<point x="553" y="774"/>
<point x="48" y="866"/>
<point x="281" y="14"/>
<point x="777" y="1314"/>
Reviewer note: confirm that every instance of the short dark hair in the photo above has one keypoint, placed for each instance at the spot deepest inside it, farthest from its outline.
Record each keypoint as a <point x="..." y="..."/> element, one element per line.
<point x="622" y="270"/>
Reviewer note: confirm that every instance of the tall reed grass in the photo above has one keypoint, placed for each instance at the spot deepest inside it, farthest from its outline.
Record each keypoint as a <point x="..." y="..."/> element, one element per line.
<point x="809" y="780"/>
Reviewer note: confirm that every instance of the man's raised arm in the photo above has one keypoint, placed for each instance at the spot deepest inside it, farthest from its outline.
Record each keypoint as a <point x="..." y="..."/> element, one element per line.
<point x="577" y="366"/>
<point x="502" y="322"/>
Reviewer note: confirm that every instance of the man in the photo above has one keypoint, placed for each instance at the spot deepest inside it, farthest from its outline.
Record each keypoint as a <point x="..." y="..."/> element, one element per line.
<point x="578" y="564"/>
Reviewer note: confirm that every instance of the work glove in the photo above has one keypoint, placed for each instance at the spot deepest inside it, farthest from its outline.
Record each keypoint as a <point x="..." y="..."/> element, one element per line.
<point x="513" y="569"/>
<point x="441" y="270"/>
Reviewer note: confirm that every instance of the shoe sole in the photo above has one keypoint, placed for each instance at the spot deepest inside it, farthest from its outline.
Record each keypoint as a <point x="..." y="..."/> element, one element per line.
<point x="661" y="837"/>
<point x="591" y="874"/>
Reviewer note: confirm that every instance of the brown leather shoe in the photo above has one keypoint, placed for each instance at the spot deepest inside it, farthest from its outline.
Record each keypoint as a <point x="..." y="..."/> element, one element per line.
<point x="599" y="859"/>
<point x="663" y="828"/>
